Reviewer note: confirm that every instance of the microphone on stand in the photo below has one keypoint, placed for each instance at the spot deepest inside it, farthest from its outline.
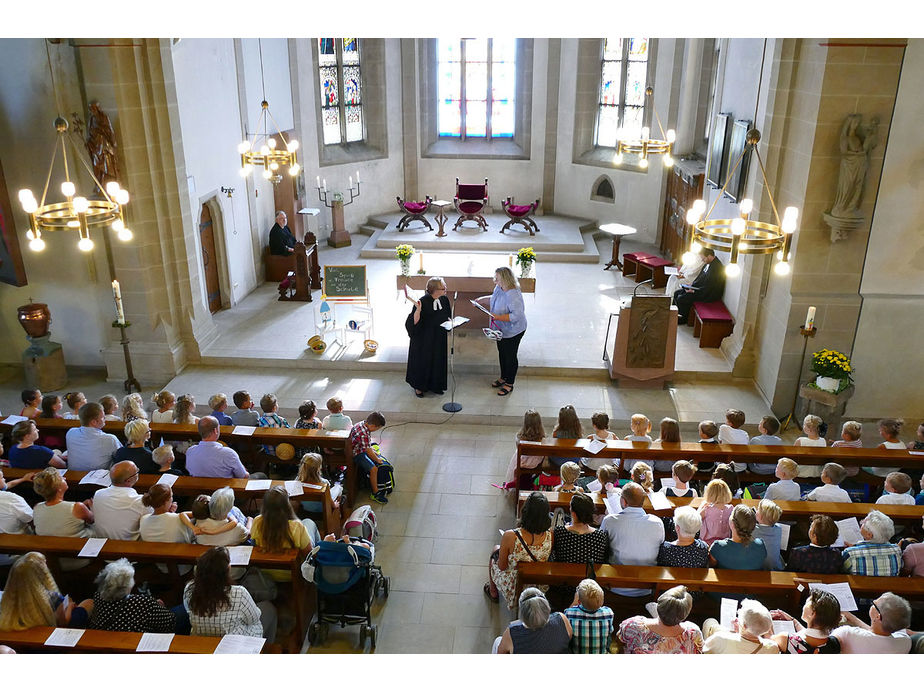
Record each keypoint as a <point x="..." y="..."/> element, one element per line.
<point x="452" y="405"/>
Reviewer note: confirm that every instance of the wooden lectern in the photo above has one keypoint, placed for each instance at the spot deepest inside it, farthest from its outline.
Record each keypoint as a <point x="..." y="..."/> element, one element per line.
<point x="640" y="351"/>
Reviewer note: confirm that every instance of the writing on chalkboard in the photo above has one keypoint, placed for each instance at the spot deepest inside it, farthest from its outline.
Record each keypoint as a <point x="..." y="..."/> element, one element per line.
<point x="345" y="281"/>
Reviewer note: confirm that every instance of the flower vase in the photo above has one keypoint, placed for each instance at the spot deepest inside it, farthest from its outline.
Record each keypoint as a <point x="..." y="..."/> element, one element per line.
<point x="406" y="267"/>
<point x="525" y="268"/>
<point x="827" y="384"/>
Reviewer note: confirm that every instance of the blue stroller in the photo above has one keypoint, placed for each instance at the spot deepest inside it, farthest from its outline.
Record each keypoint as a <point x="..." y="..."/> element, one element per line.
<point x="347" y="582"/>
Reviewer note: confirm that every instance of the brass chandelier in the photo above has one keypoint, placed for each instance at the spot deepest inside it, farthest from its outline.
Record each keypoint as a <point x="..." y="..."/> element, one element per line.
<point x="266" y="155"/>
<point x="743" y="235"/>
<point x="646" y="145"/>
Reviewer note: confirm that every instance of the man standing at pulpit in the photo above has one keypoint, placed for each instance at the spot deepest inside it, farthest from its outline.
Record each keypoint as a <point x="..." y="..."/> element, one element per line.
<point x="708" y="286"/>
<point x="281" y="240"/>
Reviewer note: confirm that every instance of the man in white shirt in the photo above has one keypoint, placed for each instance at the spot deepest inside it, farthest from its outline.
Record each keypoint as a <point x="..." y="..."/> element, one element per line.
<point x="889" y="615"/>
<point x="210" y="458"/>
<point x="747" y="636"/>
<point x="88" y="447"/>
<point x="118" y="509"/>
<point x="15" y="513"/>
<point x="635" y="536"/>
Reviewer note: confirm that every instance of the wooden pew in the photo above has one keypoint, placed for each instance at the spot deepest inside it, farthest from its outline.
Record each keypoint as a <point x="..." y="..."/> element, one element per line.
<point x="150" y="552"/>
<point x="697" y="452"/>
<point x="190" y="486"/>
<point x="247" y="446"/>
<point x="791" y="509"/>
<point x="111" y="642"/>
<point x="782" y="584"/>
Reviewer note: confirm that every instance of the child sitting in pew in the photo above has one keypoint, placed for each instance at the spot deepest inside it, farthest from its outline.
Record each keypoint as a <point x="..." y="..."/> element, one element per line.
<point x="336" y="420"/>
<point x="726" y="473"/>
<point x="768" y="427"/>
<point x="850" y="438"/>
<point x="811" y="427"/>
<point x="670" y="433"/>
<point x="643" y="476"/>
<point x="309" y="472"/>
<point x="819" y="556"/>
<point x="889" y="429"/>
<point x="770" y="531"/>
<point x="681" y="472"/>
<point x="731" y="433"/>
<point x="832" y="474"/>
<point x="569" y="473"/>
<point x="897" y="486"/>
<point x="707" y="436"/>
<point x="641" y="427"/>
<point x="715" y="511"/>
<point x="531" y="431"/>
<point x="786" y="488"/>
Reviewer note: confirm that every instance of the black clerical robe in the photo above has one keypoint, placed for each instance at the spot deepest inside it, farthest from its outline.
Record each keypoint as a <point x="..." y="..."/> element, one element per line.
<point x="707" y="287"/>
<point x="426" y="354"/>
<point x="281" y="238"/>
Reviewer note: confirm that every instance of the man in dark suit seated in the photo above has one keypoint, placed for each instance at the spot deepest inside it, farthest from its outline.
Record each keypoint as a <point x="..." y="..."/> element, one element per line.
<point x="707" y="287"/>
<point x="281" y="240"/>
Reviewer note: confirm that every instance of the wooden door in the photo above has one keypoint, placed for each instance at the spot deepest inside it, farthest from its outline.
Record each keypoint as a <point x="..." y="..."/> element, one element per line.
<point x="209" y="260"/>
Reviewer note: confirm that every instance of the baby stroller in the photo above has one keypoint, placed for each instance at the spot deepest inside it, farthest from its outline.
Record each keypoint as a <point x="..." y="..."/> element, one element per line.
<point x="347" y="581"/>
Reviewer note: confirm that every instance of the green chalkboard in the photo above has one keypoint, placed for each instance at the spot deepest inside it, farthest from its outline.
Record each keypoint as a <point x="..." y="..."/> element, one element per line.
<point x="345" y="281"/>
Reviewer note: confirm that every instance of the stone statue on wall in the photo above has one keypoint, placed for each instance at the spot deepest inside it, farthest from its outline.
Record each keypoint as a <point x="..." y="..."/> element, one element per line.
<point x="101" y="145"/>
<point x="856" y="142"/>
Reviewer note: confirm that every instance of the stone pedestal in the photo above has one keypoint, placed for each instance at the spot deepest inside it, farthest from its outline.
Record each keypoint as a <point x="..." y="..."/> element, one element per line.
<point x="44" y="365"/>
<point x="339" y="237"/>
<point x="829" y="406"/>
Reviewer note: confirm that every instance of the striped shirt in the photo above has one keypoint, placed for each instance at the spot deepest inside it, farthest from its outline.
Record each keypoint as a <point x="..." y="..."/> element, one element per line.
<point x="869" y="558"/>
<point x="591" y="629"/>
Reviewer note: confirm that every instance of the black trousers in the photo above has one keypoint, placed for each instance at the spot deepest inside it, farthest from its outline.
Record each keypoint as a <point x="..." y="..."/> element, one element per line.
<point x="684" y="302"/>
<point x="507" y="354"/>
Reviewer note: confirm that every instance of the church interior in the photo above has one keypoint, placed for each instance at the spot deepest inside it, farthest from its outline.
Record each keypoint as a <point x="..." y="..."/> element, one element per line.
<point x="190" y="303"/>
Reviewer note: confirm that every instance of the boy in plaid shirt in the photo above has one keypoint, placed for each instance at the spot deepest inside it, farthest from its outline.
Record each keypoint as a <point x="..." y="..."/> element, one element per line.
<point x="364" y="456"/>
<point x="591" y="622"/>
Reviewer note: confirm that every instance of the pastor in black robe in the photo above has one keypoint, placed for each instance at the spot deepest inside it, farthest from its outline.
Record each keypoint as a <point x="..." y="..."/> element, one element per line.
<point x="426" y="354"/>
<point x="280" y="240"/>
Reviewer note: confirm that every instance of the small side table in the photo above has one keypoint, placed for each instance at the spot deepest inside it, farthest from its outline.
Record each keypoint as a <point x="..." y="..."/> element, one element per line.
<point x="617" y="231"/>
<point x="441" y="217"/>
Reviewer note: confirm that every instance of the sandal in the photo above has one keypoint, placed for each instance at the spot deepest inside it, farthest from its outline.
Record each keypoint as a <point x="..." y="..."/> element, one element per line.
<point x="505" y="390"/>
<point x="498" y="383"/>
<point x="487" y="591"/>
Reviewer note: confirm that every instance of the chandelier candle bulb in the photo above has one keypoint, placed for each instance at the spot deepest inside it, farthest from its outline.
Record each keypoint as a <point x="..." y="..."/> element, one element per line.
<point x="421" y="252"/>
<point x="810" y="318"/>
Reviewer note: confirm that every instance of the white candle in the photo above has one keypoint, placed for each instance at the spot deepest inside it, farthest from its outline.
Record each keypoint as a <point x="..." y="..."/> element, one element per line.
<point x="351" y="182"/>
<point x="510" y="261"/>
<point x="810" y="318"/>
<point x="117" y="295"/>
<point x="318" y="179"/>
<point x="421" y="252"/>
<point x="357" y="176"/>
<point x="325" y="185"/>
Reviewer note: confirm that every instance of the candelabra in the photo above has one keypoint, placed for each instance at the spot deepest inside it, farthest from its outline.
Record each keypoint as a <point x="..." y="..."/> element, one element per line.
<point x="338" y="197"/>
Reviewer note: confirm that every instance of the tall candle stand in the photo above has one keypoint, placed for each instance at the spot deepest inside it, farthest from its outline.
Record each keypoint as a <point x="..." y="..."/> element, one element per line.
<point x="806" y="333"/>
<point x="339" y="236"/>
<point x="120" y="322"/>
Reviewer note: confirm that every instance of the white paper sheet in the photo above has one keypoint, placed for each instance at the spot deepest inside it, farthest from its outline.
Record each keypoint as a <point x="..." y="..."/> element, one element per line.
<point x="14" y="419"/>
<point x="65" y="637"/>
<point x="659" y="501"/>
<point x="456" y="321"/>
<point x="594" y="486"/>
<point x="243" y="430"/>
<point x="167" y="479"/>
<point x="317" y="487"/>
<point x="98" y="477"/>
<point x="294" y="488"/>
<point x="240" y="555"/>
<point x="783" y="627"/>
<point x="728" y="612"/>
<point x="240" y="644"/>
<point x="155" y="642"/>
<point x="62" y="472"/>
<point x="916" y="452"/>
<point x="842" y="591"/>
<point x="668" y="482"/>
<point x="258" y="484"/>
<point x="594" y="446"/>
<point x="848" y="532"/>
<point x="92" y="548"/>
<point x="668" y="271"/>
<point x="336" y="491"/>
<point x="613" y="506"/>
<point x="480" y="307"/>
<point x="784" y="536"/>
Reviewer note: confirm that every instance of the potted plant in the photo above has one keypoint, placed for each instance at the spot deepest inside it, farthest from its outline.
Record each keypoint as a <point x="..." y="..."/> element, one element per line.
<point x="833" y="370"/>
<point x="525" y="259"/>
<point x="404" y="253"/>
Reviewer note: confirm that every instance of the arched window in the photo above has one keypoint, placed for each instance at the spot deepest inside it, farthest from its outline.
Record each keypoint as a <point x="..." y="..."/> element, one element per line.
<point x="602" y="190"/>
<point x="476" y="88"/>
<point x="340" y="80"/>
<point x="623" y="78"/>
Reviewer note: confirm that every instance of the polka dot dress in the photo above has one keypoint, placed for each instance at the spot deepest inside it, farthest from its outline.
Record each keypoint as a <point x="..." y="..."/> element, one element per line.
<point x="136" y="613"/>
<point x="570" y="547"/>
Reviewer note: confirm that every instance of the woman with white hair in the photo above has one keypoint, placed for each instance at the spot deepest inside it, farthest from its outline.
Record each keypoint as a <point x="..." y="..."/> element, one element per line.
<point x="137" y="434"/>
<point x="747" y="635"/>
<point x="889" y="615"/>
<point x="116" y="607"/>
<point x="508" y="315"/>
<point x="669" y="633"/>
<point x="875" y="555"/>
<point x="687" y="551"/>
<point x="538" y="630"/>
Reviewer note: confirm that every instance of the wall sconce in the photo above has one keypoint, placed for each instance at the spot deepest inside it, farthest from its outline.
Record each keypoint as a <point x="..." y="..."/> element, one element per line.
<point x="228" y="191"/>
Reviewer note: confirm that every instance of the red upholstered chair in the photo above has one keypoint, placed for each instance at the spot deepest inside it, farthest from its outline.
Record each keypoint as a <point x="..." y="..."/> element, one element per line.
<point x="519" y="214"/>
<point x="469" y="201"/>
<point x="413" y="210"/>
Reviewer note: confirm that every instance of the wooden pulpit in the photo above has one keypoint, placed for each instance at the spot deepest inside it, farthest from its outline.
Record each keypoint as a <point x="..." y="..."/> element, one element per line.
<point x="640" y="351"/>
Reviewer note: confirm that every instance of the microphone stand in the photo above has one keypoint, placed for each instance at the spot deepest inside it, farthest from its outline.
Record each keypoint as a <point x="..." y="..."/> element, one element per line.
<point x="452" y="405"/>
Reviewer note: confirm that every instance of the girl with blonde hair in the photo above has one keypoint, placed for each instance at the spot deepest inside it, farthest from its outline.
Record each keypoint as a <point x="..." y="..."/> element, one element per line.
<point x="715" y="511"/>
<point x="31" y="598"/>
<point x="133" y="408"/>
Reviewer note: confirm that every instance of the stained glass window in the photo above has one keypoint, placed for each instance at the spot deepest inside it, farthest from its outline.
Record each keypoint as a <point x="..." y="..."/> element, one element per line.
<point x="340" y="82"/>
<point x="624" y="76"/>
<point x="476" y="87"/>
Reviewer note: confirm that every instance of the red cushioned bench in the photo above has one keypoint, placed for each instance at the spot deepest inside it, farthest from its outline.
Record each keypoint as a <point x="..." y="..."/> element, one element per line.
<point x="711" y="323"/>
<point x="630" y="262"/>
<point x="652" y="267"/>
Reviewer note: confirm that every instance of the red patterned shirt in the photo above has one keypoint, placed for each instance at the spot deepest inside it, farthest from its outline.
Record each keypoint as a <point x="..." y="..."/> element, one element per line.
<point x="360" y="438"/>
